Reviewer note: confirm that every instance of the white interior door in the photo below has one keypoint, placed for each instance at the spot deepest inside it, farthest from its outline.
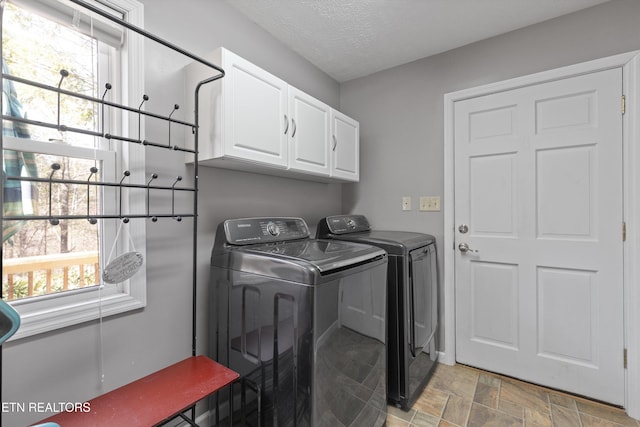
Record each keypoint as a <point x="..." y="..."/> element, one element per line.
<point x="538" y="185"/>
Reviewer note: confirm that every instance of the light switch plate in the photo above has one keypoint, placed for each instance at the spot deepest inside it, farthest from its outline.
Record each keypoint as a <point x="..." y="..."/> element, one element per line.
<point x="430" y="203"/>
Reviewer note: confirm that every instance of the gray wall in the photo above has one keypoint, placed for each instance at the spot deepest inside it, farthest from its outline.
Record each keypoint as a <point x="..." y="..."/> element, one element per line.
<point x="400" y="113"/>
<point x="64" y="366"/>
<point x="401" y="110"/>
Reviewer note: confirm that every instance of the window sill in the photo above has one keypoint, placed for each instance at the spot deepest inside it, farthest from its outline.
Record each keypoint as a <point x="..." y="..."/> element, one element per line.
<point x="91" y="307"/>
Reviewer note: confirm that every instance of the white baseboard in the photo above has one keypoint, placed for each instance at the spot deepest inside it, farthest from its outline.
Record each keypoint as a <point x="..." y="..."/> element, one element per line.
<point x="446" y="359"/>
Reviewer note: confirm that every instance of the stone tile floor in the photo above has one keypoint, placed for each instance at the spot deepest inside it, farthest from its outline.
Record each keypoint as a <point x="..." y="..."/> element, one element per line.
<point x="467" y="397"/>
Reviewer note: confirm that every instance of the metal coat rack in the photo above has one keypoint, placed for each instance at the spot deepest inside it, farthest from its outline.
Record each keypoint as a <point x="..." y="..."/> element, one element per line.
<point x="121" y="184"/>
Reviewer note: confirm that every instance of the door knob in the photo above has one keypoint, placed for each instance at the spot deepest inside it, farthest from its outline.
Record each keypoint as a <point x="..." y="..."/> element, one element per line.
<point x="465" y="248"/>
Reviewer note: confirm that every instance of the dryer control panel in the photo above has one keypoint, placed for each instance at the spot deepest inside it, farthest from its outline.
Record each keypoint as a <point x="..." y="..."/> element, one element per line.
<point x="344" y="224"/>
<point x="249" y="231"/>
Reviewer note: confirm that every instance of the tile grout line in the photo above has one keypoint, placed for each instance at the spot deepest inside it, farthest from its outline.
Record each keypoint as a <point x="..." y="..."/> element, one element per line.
<point x="475" y="390"/>
<point x="550" y="409"/>
<point x="524" y="412"/>
<point x="415" y="412"/>
<point x="444" y="408"/>
<point x="579" y="417"/>
<point x="466" y="421"/>
<point x="498" y="396"/>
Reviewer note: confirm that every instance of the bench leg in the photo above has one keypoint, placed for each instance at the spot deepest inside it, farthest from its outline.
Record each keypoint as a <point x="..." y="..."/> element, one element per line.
<point x="258" y="390"/>
<point x="217" y="409"/>
<point x="243" y="402"/>
<point x="231" y="405"/>
<point x="188" y="420"/>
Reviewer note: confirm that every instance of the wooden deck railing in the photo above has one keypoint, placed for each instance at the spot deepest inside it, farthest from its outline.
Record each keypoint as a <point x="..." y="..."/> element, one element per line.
<point x="54" y="268"/>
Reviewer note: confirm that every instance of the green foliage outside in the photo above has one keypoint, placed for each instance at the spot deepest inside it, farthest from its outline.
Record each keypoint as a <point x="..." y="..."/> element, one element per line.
<point x="37" y="49"/>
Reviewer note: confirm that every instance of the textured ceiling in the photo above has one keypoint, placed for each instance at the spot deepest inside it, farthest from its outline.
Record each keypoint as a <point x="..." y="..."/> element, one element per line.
<point x="353" y="38"/>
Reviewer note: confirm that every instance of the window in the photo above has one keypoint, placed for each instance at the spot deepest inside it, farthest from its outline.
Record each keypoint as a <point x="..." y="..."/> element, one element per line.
<point x="52" y="267"/>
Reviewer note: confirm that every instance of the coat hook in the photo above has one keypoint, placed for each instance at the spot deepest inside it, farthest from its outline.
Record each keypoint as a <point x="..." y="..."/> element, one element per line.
<point x="63" y="75"/>
<point x="145" y="98"/>
<point x="176" y="107"/>
<point x="125" y="174"/>
<point x="93" y="171"/>
<point x="107" y="88"/>
<point x="153" y="176"/>
<point x="54" y="168"/>
<point x="173" y="199"/>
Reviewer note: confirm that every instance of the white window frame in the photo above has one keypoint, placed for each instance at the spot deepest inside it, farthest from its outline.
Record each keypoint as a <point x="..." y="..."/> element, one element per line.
<point x="55" y="311"/>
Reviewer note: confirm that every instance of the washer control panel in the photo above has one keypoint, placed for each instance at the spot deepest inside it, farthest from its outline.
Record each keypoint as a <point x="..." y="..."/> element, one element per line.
<point x="246" y="231"/>
<point x="273" y="229"/>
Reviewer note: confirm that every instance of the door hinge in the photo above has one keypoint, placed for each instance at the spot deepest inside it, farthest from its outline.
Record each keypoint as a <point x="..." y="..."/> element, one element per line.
<point x="624" y="231"/>
<point x="624" y="358"/>
<point x="624" y="104"/>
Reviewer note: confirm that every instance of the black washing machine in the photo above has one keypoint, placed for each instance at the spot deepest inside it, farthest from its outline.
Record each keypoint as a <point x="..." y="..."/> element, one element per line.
<point x="412" y="301"/>
<point x="303" y="322"/>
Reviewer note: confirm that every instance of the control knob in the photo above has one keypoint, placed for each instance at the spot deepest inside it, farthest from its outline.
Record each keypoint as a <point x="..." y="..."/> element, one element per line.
<point x="273" y="229"/>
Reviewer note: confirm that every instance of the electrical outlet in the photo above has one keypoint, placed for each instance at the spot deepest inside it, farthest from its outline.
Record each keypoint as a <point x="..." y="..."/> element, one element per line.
<point x="430" y="203"/>
<point x="406" y="203"/>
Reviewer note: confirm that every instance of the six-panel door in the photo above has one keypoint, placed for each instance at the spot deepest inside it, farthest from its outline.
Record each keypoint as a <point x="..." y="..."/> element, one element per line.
<point x="538" y="185"/>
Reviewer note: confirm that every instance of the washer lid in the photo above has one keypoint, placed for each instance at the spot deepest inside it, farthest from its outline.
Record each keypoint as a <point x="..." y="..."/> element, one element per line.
<point x="280" y="248"/>
<point x="326" y="256"/>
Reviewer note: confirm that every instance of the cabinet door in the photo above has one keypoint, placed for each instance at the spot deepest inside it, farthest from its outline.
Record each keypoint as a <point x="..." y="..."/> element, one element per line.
<point x="345" y="148"/>
<point x="308" y="134"/>
<point x="254" y="113"/>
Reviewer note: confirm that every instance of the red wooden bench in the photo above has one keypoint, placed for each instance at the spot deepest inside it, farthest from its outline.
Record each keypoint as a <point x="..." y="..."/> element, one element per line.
<point x="154" y="399"/>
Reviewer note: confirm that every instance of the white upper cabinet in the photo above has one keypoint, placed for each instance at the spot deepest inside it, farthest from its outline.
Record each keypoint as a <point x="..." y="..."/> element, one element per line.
<point x="345" y="149"/>
<point x="242" y="116"/>
<point x="309" y="133"/>
<point x="254" y="108"/>
<point x="251" y="120"/>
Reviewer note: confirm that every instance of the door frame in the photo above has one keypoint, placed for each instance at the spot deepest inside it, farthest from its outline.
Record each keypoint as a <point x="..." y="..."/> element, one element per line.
<point x="630" y="64"/>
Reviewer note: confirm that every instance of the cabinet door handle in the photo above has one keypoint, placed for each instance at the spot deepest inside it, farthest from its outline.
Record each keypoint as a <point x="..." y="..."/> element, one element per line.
<point x="335" y="143"/>
<point x="286" y="124"/>
<point x="293" y="121"/>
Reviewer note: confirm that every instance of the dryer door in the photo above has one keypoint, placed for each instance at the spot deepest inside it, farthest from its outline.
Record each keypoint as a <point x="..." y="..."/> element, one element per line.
<point x="423" y="313"/>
